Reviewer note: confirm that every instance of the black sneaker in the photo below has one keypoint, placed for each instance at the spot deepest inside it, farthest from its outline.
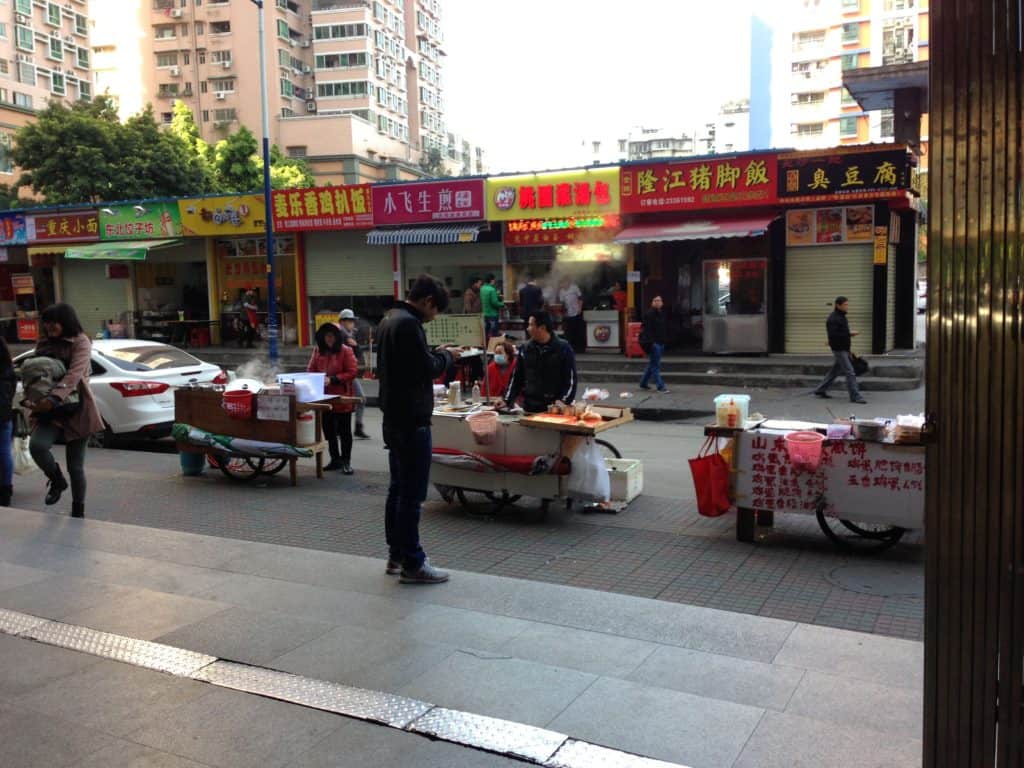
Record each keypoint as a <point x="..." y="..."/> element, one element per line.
<point x="427" y="574"/>
<point x="824" y="395"/>
<point x="859" y="400"/>
<point x="393" y="567"/>
<point x="361" y="434"/>
<point x="346" y="469"/>
<point x="333" y="465"/>
<point x="55" y="488"/>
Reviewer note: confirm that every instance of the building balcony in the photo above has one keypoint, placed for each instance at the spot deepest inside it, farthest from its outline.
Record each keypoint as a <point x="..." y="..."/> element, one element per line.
<point x="339" y="5"/>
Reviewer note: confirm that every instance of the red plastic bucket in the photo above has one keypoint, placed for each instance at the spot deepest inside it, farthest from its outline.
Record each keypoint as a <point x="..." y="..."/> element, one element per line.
<point x="804" y="449"/>
<point x="238" y="404"/>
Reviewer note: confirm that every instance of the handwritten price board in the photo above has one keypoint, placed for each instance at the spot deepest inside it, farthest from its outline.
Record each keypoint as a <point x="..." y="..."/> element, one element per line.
<point x="864" y="482"/>
<point x="461" y="330"/>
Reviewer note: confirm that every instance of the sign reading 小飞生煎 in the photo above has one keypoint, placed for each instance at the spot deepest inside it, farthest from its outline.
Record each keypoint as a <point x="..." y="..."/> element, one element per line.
<point x="429" y="202"/>
<point x="563" y="194"/>
<point x="711" y="182"/>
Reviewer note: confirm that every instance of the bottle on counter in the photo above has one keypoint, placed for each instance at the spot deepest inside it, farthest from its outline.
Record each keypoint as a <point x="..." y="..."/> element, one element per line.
<point x="454" y="393"/>
<point x="476" y="392"/>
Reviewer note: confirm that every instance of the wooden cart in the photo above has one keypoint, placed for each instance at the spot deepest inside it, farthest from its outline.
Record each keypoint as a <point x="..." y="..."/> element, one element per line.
<point x="202" y="408"/>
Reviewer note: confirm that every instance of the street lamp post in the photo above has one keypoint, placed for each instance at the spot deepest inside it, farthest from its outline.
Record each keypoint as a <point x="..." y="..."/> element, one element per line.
<point x="272" y="329"/>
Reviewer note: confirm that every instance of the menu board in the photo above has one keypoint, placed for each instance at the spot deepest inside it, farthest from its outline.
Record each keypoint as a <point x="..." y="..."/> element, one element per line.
<point x="457" y="330"/>
<point x="830" y="226"/>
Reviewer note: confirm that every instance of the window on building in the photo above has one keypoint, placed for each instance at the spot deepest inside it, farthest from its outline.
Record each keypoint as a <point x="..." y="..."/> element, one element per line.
<point x="26" y="73"/>
<point x="163" y="5"/>
<point x="811" y="39"/>
<point x="201" y="57"/>
<point x="166" y="117"/>
<point x="84" y="90"/>
<point x="22" y="100"/>
<point x="225" y="115"/>
<point x="220" y="27"/>
<point x="165" y="31"/>
<point x="899" y="5"/>
<point x="338" y="31"/>
<point x="282" y="30"/>
<point x="57" y="83"/>
<point x="287" y="112"/>
<point x="287" y="87"/>
<point x="847" y="98"/>
<point x="809" y="129"/>
<point x="206" y="115"/>
<point x="849" y="61"/>
<point x="26" y="39"/>
<point x="5" y="96"/>
<point x="888" y="127"/>
<point x="341" y="60"/>
<point x="81" y="24"/>
<point x="200" y="28"/>
<point x="56" y="50"/>
<point x="3" y="31"/>
<point x="347" y="90"/>
<point x="898" y="41"/>
<point x="53" y="14"/>
<point x="851" y="5"/>
<point x="296" y="151"/>
<point x="5" y="69"/>
<point x="24" y="7"/>
<point x="848" y="126"/>
<point x="166" y="59"/>
<point x="204" y="86"/>
<point x="223" y="84"/>
<point x="814" y="97"/>
<point x="851" y="32"/>
<point x="167" y="90"/>
<point x="82" y="57"/>
<point x="6" y="164"/>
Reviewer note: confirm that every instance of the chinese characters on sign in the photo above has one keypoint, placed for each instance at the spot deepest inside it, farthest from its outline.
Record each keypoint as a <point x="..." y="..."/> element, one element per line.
<point x="241" y="215"/>
<point x="871" y="174"/>
<point x="562" y="231"/>
<point x="708" y="183"/>
<point x="579" y="194"/>
<point x="429" y="202"/>
<point x="63" y="228"/>
<point x="149" y="221"/>
<point x="323" y="208"/>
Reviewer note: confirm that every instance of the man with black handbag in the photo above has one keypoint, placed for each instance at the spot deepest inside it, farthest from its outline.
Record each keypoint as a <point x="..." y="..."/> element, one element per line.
<point x="839" y="338"/>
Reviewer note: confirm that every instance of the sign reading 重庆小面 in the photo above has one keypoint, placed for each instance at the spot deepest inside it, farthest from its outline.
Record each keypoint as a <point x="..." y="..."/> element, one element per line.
<point x="147" y="221"/>
<point x="323" y="208"/>
<point x="429" y="202"/>
<point x="558" y="195"/>
<point x="712" y="182"/>
<point x="77" y="227"/>
<point x="811" y="178"/>
<point x="238" y="215"/>
<point x="830" y="226"/>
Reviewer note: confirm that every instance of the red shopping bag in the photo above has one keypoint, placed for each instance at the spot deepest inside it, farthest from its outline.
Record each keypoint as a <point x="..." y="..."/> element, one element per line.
<point x="711" y="480"/>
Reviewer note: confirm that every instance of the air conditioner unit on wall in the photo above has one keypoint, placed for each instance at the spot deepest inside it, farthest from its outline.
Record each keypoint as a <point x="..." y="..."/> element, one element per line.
<point x="220" y="96"/>
<point x="21" y="19"/>
<point x="176" y="13"/>
<point x="311" y="106"/>
<point x="226" y="64"/>
<point x="305" y="43"/>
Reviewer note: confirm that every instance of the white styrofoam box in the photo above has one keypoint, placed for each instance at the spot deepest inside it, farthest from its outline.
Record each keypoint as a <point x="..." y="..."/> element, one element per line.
<point x="627" y="478"/>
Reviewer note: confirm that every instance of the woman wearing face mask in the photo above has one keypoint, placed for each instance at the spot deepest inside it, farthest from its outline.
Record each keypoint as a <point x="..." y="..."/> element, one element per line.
<point x="499" y="372"/>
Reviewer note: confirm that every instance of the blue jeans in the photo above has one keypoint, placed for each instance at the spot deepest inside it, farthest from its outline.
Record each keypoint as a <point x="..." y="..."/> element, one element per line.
<point x="653" y="370"/>
<point x="6" y="453"/>
<point x="409" y="455"/>
<point x="842" y="366"/>
<point x="492" y="325"/>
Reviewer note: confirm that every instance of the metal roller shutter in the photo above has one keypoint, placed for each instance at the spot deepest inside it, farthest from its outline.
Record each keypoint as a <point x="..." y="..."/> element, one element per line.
<point x="890" y="303"/>
<point x="814" y="277"/>
<point x="94" y="297"/>
<point x="344" y="265"/>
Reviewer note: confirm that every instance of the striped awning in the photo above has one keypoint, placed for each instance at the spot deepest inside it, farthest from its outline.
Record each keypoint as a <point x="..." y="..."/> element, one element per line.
<point x="696" y="230"/>
<point x="436" y="235"/>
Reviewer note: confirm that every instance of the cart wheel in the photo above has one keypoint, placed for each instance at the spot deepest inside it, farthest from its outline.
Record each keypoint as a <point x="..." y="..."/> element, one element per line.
<point x="609" y="450"/>
<point x="503" y="500"/>
<point x="447" y="492"/>
<point x="273" y="466"/>
<point x="239" y="468"/>
<point x="868" y="537"/>
<point x="461" y="495"/>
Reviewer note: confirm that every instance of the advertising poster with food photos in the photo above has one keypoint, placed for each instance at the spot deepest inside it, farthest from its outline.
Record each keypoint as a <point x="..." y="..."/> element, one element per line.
<point x="830" y="226"/>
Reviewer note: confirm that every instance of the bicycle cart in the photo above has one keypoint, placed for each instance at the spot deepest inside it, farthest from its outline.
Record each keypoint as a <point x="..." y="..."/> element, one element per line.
<point x="258" y="444"/>
<point x="865" y="495"/>
<point x="525" y="456"/>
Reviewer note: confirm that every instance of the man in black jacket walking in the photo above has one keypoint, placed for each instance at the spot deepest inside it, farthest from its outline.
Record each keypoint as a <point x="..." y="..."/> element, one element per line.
<point x="546" y="370"/>
<point x="407" y="369"/>
<point x="652" y="339"/>
<point x="839" y="337"/>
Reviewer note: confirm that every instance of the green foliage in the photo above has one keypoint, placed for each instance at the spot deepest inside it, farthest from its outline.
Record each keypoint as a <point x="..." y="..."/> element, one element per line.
<point x="235" y="165"/>
<point x="288" y="172"/>
<point x="432" y="164"/>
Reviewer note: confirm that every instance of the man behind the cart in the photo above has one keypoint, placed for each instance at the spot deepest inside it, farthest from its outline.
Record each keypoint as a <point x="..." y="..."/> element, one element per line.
<point x="407" y="368"/>
<point x="546" y="371"/>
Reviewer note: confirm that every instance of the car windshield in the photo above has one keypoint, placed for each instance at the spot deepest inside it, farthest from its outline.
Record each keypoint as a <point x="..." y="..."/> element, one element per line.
<point x="149" y="358"/>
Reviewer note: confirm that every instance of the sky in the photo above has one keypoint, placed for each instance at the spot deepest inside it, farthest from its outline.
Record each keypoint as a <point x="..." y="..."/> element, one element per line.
<point x="531" y="80"/>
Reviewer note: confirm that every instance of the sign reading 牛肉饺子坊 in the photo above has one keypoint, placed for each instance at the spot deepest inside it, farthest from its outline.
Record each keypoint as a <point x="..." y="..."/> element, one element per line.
<point x="860" y="173"/>
<point x="711" y="182"/>
<point x="322" y="209"/>
<point x="428" y="202"/>
<point x="562" y="194"/>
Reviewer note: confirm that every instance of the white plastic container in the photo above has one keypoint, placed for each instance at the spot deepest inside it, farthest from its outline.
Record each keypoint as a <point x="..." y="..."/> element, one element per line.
<point x="305" y="428"/>
<point x="308" y="386"/>
<point x="722" y="408"/>
<point x="626" y="477"/>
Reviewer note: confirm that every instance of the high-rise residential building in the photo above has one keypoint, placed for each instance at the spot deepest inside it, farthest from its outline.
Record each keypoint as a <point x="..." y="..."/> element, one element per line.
<point x="45" y="54"/>
<point x="355" y="86"/>
<point x="828" y="37"/>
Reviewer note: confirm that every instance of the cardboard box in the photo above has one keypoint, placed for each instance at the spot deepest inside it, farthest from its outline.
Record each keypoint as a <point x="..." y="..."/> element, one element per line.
<point x="627" y="478"/>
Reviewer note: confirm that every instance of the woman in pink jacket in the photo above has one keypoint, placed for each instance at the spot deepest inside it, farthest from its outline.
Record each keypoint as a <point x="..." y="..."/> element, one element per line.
<point x="337" y="362"/>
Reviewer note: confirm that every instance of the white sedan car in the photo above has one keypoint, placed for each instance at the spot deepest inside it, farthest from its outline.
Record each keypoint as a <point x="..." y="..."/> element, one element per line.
<point x="133" y="383"/>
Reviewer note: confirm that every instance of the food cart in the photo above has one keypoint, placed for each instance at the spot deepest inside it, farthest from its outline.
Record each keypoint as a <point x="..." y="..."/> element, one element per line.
<point x="261" y="442"/>
<point x="526" y="455"/>
<point x="865" y="494"/>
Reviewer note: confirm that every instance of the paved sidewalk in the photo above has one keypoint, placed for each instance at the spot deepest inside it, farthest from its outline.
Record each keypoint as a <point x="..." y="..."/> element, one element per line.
<point x="689" y="685"/>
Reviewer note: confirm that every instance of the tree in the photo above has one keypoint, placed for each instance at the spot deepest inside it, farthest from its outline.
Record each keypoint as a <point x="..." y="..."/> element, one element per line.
<point x="164" y="165"/>
<point x="183" y="125"/>
<point x="235" y="165"/>
<point x="432" y="164"/>
<point x="287" y="172"/>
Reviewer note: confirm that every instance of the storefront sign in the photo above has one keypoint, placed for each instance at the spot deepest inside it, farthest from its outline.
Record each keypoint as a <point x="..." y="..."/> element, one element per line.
<point x="881" y="246"/>
<point x="28" y="329"/>
<point x="561" y="195"/>
<point x="240" y="215"/>
<point x="323" y="208"/>
<point x="874" y="174"/>
<point x="147" y="221"/>
<point x="700" y="184"/>
<point x="592" y="229"/>
<point x="830" y="226"/>
<point x="429" y="202"/>
<point x="13" y="229"/>
<point x="63" y="227"/>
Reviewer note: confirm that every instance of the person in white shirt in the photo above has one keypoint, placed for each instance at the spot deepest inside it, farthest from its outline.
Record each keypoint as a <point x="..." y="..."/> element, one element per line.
<point x="571" y="298"/>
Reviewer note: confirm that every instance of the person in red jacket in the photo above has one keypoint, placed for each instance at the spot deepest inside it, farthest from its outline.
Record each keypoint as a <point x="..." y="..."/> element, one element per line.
<point x="337" y="362"/>
<point x="499" y="372"/>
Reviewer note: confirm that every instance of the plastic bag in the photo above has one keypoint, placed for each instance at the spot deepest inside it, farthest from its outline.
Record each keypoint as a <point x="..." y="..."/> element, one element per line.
<point x="588" y="480"/>
<point x="711" y="481"/>
<point x="23" y="463"/>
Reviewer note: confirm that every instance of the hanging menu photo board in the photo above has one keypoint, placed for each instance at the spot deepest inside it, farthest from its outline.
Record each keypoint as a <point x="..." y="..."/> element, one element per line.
<point x="830" y="226"/>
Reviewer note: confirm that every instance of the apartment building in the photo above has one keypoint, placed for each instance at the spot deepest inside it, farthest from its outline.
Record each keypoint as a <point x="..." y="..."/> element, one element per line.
<point x="831" y="36"/>
<point x="44" y="54"/>
<point x="355" y="86"/>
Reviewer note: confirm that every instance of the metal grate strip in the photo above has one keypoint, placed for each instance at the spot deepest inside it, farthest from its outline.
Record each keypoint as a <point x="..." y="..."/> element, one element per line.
<point x="396" y="711"/>
<point x="581" y="754"/>
<point x="490" y="733"/>
<point x="14" y="623"/>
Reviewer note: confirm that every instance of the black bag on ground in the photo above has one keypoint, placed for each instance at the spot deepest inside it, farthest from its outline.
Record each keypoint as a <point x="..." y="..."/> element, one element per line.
<point x="860" y="365"/>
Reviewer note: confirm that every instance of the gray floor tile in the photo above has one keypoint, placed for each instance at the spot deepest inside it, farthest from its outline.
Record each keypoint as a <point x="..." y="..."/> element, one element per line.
<point x="253" y="637"/>
<point x="788" y="741"/>
<point x="884" y="660"/>
<point x="144" y="614"/>
<point x="719" y="677"/>
<point x="461" y="628"/>
<point x="352" y="745"/>
<point x="31" y="741"/>
<point x="26" y="665"/>
<point x="125" y="754"/>
<point x="12" y="575"/>
<point x="667" y="725"/>
<point x="518" y="690"/>
<point x="365" y="658"/>
<point x="111" y="697"/>
<point x="59" y="596"/>
<point x="175" y="578"/>
<point x="228" y="728"/>
<point x="593" y="652"/>
<point x="898" y="711"/>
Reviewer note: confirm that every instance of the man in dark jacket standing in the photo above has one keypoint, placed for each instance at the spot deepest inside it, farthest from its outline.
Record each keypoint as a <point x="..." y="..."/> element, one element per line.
<point x="839" y="337"/>
<point x="652" y="339"/>
<point x="531" y="299"/>
<point x="407" y="369"/>
<point x="546" y="370"/>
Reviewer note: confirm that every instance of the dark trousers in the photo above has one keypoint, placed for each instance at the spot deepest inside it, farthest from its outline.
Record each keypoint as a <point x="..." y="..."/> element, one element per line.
<point x="40" y="445"/>
<point x="249" y="335"/>
<point x="493" y="326"/>
<point x="842" y="366"/>
<point x="409" y="453"/>
<point x="338" y="429"/>
<point x="575" y="332"/>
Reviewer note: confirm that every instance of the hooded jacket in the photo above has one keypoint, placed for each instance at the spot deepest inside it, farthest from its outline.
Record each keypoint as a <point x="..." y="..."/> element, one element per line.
<point x="838" y="328"/>
<point x="337" y="362"/>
